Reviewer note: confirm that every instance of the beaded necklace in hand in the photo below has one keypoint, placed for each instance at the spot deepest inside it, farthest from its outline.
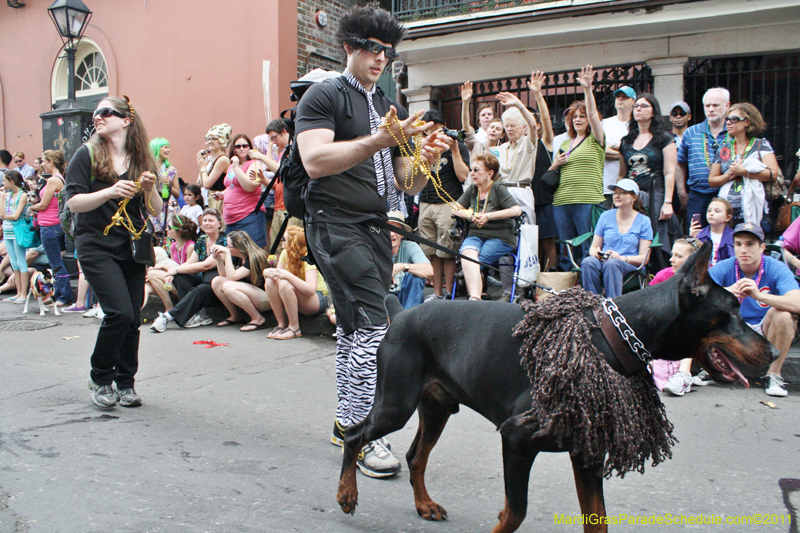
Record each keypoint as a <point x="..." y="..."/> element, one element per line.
<point x="122" y="218"/>
<point x="414" y="160"/>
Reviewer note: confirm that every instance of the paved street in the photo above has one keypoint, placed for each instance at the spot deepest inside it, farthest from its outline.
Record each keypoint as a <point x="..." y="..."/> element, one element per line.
<point x="236" y="439"/>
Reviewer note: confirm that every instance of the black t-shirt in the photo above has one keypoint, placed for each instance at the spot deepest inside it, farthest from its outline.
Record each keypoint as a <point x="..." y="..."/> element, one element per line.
<point x="351" y="196"/>
<point x="543" y="162"/>
<point x="218" y="185"/>
<point x="450" y="182"/>
<point x="647" y="163"/>
<point x="89" y="239"/>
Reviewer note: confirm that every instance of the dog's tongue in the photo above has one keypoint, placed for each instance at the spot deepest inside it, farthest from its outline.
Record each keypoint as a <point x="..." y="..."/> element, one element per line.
<point x="728" y="369"/>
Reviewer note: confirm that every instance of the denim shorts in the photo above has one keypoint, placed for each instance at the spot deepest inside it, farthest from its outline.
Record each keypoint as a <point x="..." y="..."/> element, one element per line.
<point x="489" y="251"/>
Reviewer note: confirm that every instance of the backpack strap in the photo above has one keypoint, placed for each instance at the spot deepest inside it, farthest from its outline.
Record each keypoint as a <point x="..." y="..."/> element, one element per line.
<point x="344" y="87"/>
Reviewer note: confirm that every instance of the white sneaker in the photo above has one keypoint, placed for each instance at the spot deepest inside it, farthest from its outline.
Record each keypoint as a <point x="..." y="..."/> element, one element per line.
<point x="100" y="314"/>
<point x="376" y="459"/>
<point x="679" y="384"/>
<point x="199" y="320"/>
<point x="159" y="324"/>
<point x="702" y="379"/>
<point x="776" y="386"/>
<point x="91" y="313"/>
<point x="433" y="296"/>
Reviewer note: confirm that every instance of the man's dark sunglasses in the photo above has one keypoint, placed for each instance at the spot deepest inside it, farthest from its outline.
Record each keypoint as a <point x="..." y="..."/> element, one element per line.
<point x="377" y="48"/>
<point x="105" y="112"/>
<point x="678" y="114"/>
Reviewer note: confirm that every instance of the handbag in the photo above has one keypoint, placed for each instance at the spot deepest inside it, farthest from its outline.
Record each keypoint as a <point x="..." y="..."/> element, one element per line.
<point x="558" y="281"/>
<point x="142" y="248"/>
<point x="25" y="234"/>
<point x="550" y="181"/>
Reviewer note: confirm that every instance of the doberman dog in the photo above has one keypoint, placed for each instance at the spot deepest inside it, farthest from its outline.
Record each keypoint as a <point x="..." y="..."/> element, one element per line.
<point x="420" y="368"/>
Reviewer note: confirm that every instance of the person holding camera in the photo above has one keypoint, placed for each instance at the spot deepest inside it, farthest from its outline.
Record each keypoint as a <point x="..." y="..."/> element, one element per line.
<point x="435" y="217"/>
<point x="621" y="239"/>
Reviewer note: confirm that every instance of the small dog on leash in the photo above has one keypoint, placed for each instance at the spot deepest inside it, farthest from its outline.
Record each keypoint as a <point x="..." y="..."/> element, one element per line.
<point x="43" y="285"/>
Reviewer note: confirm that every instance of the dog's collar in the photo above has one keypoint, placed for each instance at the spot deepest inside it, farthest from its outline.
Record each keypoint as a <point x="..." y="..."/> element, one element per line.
<point x="628" y="349"/>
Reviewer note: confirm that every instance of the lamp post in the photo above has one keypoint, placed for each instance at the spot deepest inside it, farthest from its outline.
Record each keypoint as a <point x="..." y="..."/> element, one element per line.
<point x="69" y="124"/>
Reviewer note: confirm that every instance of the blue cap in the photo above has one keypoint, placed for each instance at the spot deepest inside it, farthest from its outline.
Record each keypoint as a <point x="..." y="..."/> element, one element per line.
<point x="627" y="91"/>
<point x="749" y="227"/>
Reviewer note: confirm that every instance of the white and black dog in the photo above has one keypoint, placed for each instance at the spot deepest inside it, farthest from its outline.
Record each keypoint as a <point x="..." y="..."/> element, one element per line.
<point x="43" y="285"/>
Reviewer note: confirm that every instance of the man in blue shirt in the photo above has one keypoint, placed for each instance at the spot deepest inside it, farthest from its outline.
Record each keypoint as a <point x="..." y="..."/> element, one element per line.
<point x="767" y="291"/>
<point x="696" y="154"/>
<point x="410" y="266"/>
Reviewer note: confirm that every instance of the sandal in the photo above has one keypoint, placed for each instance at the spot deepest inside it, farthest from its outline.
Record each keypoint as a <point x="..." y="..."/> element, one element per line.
<point x="252" y="326"/>
<point x="295" y="333"/>
<point x="229" y="322"/>
<point x="475" y="298"/>
<point x="10" y="300"/>
<point x="276" y="331"/>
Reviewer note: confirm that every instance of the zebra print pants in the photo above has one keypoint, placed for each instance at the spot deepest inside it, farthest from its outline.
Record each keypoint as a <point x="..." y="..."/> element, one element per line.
<point x="356" y="372"/>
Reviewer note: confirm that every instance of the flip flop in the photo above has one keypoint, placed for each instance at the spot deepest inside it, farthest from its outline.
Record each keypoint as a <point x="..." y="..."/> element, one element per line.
<point x="252" y="326"/>
<point x="276" y="331"/>
<point x="10" y="300"/>
<point x="294" y="332"/>
<point x="229" y="322"/>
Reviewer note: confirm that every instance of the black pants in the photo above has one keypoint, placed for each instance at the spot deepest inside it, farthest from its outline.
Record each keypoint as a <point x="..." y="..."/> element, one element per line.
<point x="119" y="286"/>
<point x="195" y="293"/>
<point x="356" y="261"/>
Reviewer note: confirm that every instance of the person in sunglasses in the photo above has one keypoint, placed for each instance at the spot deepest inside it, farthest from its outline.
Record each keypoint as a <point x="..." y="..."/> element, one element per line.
<point x="680" y="116"/>
<point x="99" y="176"/>
<point x="242" y="192"/>
<point x="356" y="174"/>
<point x="743" y="163"/>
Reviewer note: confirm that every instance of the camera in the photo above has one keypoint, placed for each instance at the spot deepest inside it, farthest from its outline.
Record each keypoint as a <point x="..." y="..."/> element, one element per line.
<point x="604" y="255"/>
<point x="204" y="153"/>
<point x="453" y="134"/>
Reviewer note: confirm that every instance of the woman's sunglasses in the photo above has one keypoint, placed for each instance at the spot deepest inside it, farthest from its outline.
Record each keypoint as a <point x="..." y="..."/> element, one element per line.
<point x="105" y="112"/>
<point x="237" y="146"/>
<point x="734" y="120"/>
<point x="377" y="48"/>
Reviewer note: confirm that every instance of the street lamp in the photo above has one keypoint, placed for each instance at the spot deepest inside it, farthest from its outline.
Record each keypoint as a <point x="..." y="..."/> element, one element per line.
<point x="71" y="18"/>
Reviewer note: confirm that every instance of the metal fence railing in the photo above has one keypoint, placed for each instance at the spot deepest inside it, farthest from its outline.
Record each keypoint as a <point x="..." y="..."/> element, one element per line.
<point x="410" y="10"/>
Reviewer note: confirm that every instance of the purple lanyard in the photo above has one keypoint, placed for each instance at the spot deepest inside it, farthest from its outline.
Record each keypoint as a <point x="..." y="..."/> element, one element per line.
<point x="758" y="278"/>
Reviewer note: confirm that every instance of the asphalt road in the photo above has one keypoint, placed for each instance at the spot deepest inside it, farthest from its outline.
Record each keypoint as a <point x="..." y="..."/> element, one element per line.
<point x="236" y="439"/>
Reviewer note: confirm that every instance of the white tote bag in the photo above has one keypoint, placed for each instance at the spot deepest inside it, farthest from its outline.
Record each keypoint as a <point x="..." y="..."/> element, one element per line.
<point x="529" y="266"/>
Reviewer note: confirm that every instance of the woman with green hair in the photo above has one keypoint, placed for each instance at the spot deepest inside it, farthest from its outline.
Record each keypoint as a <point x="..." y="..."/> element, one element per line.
<point x="167" y="180"/>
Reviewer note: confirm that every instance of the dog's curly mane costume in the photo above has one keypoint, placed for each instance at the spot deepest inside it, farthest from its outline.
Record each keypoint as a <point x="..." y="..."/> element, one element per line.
<point x="579" y="400"/>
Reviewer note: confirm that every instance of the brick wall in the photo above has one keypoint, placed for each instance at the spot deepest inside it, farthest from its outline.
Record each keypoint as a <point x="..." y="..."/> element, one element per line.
<point x="316" y="47"/>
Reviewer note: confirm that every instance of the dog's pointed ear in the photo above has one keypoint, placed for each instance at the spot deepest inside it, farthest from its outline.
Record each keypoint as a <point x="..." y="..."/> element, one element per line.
<point x="695" y="280"/>
<point x="392" y="306"/>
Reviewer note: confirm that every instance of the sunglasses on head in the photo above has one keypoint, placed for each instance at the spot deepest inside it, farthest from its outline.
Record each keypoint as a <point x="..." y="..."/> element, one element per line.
<point x="694" y="243"/>
<point x="105" y="112"/>
<point x="734" y="120"/>
<point x="678" y="113"/>
<point x="377" y="48"/>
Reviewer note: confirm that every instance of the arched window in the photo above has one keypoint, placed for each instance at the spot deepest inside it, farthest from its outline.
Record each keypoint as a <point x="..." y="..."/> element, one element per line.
<point x="91" y="75"/>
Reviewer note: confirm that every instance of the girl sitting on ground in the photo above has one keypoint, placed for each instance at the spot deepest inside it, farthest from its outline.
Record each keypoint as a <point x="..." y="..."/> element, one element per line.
<point x="183" y="232"/>
<point x="718" y="231"/>
<point x="240" y="288"/>
<point x="294" y="286"/>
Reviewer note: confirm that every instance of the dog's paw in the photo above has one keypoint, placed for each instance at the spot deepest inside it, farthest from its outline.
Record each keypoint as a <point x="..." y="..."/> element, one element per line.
<point x="431" y="510"/>
<point x="347" y="497"/>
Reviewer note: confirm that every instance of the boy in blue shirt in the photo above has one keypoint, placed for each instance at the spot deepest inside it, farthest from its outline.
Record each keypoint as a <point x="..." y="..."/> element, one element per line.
<point x="768" y="294"/>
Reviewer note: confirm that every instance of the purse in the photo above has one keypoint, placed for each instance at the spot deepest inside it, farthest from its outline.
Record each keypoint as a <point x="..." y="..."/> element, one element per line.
<point x="25" y="234"/>
<point x="784" y="219"/>
<point x="550" y="181"/>
<point x="142" y="248"/>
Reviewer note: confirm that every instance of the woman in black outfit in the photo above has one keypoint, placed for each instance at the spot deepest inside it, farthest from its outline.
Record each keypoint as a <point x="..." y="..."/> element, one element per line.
<point x="101" y="174"/>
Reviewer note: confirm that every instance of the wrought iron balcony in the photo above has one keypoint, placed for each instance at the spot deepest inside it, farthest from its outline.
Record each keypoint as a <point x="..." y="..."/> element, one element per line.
<point x="411" y="10"/>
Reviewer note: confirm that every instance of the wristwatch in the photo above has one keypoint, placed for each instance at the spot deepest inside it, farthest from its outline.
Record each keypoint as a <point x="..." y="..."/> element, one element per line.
<point x="406" y="267"/>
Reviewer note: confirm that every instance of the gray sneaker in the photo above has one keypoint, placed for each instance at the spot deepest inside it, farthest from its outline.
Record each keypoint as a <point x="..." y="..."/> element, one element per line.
<point x="491" y="281"/>
<point x="433" y="296"/>
<point x="103" y="395"/>
<point x="702" y="379"/>
<point x="376" y="460"/>
<point x="127" y="397"/>
<point x="198" y="320"/>
<point x="160" y="323"/>
<point x="679" y="384"/>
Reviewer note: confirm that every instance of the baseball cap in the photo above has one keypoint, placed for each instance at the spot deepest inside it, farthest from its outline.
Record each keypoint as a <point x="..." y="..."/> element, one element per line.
<point x="398" y="218"/>
<point x="625" y="185"/>
<point x="749" y="227"/>
<point x="683" y="105"/>
<point x="627" y="91"/>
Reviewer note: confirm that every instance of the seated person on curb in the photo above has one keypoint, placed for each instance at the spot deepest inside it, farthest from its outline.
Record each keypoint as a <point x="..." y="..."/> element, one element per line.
<point x="491" y="210"/>
<point x="768" y="294"/>
<point x="294" y="286"/>
<point x="621" y="239"/>
<point x="240" y="288"/>
<point x="410" y="266"/>
<point x="182" y="231"/>
<point x="193" y="279"/>
<point x="435" y="218"/>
